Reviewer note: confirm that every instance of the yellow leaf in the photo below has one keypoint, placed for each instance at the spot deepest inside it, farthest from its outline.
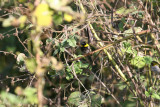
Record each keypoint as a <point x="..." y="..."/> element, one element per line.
<point x="8" y="22"/>
<point x="22" y="19"/>
<point x="19" y="90"/>
<point x="30" y="6"/>
<point x="43" y="15"/>
<point x="44" y="21"/>
<point x="22" y="1"/>
<point x="68" y="17"/>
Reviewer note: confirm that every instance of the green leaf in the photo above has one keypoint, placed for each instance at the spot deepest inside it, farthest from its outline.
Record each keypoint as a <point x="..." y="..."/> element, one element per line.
<point x="138" y="62"/>
<point x="123" y="20"/>
<point x="128" y="49"/>
<point x="139" y="13"/>
<point x="61" y="46"/>
<point x="96" y="100"/>
<point x="31" y="64"/>
<point x="120" y="26"/>
<point x="147" y="93"/>
<point x="156" y="96"/>
<point x="69" y="76"/>
<point x="125" y="11"/>
<point x="148" y="59"/>
<point x="55" y="52"/>
<point x="121" y="85"/>
<point x="83" y="65"/>
<point x="72" y="42"/>
<point x="78" y="66"/>
<point x="57" y="18"/>
<point x="126" y="44"/>
<point x="2" y="105"/>
<point x="96" y="26"/>
<point x="31" y="95"/>
<point x="153" y="93"/>
<point x="150" y="90"/>
<point x="10" y="98"/>
<point x="120" y="10"/>
<point x="11" y="48"/>
<point x="129" y="32"/>
<point x="74" y="98"/>
<point x="29" y="91"/>
<point x="62" y="49"/>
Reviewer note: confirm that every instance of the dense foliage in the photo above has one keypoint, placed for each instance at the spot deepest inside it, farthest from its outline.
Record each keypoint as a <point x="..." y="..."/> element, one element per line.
<point x="42" y="62"/>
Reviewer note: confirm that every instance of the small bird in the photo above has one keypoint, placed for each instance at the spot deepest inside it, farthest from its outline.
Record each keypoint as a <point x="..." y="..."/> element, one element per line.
<point x="85" y="48"/>
<point x="155" y="67"/>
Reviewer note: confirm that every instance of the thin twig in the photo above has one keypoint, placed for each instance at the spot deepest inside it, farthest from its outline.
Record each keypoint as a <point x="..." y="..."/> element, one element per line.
<point x="22" y="43"/>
